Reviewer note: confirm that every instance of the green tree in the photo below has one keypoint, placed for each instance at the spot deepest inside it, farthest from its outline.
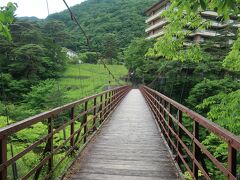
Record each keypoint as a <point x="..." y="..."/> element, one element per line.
<point x="57" y="32"/>
<point x="223" y="7"/>
<point x="6" y="19"/>
<point x="184" y="18"/>
<point x="208" y="88"/>
<point x="135" y="56"/>
<point x="125" y="20"/>
<point x="32" y="55"/>
<point x="232" y="60"/>
<point x="42" y="96"/>
<point x="224" y="110"/>
<point x="27" y="61"/>
<point x="110" y="47"/>
<point x="89" y="57"/>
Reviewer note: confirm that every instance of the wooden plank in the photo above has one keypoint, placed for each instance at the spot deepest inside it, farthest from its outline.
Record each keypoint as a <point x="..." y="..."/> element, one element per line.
<point x="87" y="176"/>
<point x="128" y="147"/>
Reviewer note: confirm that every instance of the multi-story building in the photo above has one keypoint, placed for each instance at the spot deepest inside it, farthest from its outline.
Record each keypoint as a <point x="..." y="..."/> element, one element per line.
<point x="156" y="23"/>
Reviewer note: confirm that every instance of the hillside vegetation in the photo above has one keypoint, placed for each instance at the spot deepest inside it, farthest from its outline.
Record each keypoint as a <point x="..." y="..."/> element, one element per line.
<point x="36" y="75"/>
<point x="76" y="82"/>
<point x="82" y="80"/>
<point x="115" y="22"/>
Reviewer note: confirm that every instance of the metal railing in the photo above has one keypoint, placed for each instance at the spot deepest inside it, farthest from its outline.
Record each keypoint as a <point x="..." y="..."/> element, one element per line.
<point x="90" y="112"/>
<point x="185" y="131"/>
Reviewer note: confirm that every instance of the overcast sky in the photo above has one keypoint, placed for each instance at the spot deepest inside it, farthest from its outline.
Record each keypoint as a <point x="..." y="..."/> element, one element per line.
<point x="38" y="8"/>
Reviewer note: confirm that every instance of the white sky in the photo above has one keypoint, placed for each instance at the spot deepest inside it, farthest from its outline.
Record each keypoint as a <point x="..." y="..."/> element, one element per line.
<point x="38" y="8"/>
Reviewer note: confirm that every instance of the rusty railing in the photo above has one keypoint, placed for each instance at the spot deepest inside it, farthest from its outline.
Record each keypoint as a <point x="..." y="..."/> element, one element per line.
<point x="185" y="131"/>
<point x="90" y="112"/>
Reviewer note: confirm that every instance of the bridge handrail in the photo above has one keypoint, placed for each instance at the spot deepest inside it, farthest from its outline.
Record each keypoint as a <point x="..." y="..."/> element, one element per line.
<point x="163" y="109"/>
<point x="15" y="127"/>
<point x="215" y="128"/>
<point x="100" y="106"/>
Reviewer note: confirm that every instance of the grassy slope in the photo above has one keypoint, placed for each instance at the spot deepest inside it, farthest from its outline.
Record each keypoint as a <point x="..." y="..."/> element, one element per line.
<point x="94" y="78"/>
<point x="83" y="80"/>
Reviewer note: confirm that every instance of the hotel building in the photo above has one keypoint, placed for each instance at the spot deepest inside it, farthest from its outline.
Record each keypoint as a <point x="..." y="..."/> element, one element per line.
<point x="156" y="23"/>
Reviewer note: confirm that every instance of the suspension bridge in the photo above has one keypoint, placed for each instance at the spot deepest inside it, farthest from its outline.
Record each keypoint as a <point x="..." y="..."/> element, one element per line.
<point x="124" y="133"/>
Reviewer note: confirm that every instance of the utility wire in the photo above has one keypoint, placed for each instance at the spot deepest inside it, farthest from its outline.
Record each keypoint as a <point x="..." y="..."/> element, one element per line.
<point x="74" y="19"/>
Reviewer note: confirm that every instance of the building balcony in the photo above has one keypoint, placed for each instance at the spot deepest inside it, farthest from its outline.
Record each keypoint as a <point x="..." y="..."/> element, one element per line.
<point x="206" y="33"/>
<point x="209" y="13"/>
<point x="236" y="25"/>
<point x="156" y="35"/>
<point x="218" y="24"/>
<point x="224" y="24"/>
<point x="155" y="16"/>
<point x="157" y="25"/>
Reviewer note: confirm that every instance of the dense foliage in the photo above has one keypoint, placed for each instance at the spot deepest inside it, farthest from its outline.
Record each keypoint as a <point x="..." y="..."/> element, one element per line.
<point x="32" y="80"/>
<point x="6" y="18"/>
<point x="110" y="24"/>
<point x="30" y="57"/>
<point x="187" y="15"/>
<point x="203" y="76"/>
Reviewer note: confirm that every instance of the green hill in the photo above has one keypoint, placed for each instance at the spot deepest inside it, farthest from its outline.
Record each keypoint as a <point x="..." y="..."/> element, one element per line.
<point x="81" y="80"/>
<point x="115" y="22"/>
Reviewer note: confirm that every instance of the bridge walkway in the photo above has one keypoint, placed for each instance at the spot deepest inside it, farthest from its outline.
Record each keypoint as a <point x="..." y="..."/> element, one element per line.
<point x="129" y="146"/>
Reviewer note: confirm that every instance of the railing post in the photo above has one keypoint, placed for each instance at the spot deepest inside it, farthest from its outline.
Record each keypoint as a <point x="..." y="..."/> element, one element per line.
<point x="169" y="108"/>
<point x="117" y="98"/>
<point x="109" y="102"/>
<point x="164" y="119"/>
<point x="105" y="106"/>
<point x="3" y="157"/>
<point x="161" y="114"/>
<point x="158" y="111"/>
<point x="232" y="160"/>
<point x="164" y="113"/>
<point x="180" y="133"/>
<point x="50" y="144"/>
<point x="72" y="126"/>
<point x="152" y="103"/>
<point x="196" y="149"/>
<point x="114" y="98"/>
<point x="94" y="114"/>
<point x="85" y="122"/>
<point x="155" y="105"/>
<point x="101" y="109"/>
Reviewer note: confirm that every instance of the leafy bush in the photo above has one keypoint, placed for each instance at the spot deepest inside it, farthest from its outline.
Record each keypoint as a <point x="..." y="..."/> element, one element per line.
<point x="207" y="88"/>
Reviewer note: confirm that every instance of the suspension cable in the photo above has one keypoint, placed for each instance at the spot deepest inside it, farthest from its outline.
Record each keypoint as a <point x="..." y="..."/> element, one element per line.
<point x="74" y="19"/>
<point x="47" y="7"/>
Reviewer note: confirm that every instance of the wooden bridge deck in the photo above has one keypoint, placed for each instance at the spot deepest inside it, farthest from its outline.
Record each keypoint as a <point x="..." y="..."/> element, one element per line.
<point x="128" y="147"/>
